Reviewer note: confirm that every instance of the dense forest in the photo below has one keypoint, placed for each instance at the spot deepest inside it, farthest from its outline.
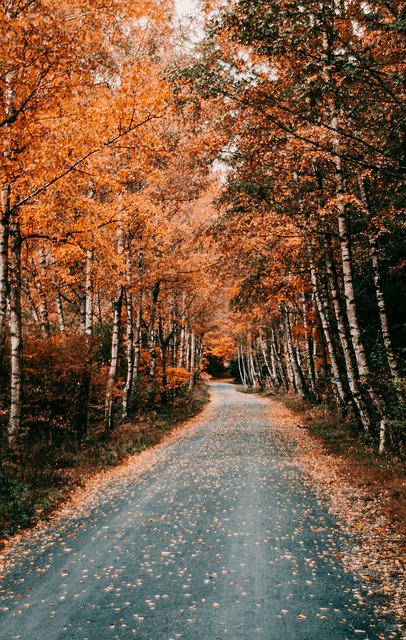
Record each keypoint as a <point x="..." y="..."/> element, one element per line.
<point x="309" y="99"/>
<point x="165" y="203"/>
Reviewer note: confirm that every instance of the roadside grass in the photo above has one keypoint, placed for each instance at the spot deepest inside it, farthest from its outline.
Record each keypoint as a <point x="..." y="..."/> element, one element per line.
<point x="383" y="476"/>
<point x="33" y="487"/>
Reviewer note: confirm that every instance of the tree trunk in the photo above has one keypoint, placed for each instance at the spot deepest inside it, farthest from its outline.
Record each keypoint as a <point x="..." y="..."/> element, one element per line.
<point x="387" y="341"/>
<point x="16" y="405"/>
<point x="4" y="266"/>
<point x="350" y="302"/>
<point x="264" y="351"/>
<point x="192" y="360"/>
<point x="138" y="322"/>
<point x="151" y="339"/>
<point x="82" y="312"/>
<point x="241" y="365"/>
<point x="297" y="372"/>
<point x="130" y="355"/>
<point x="129" y="337"/>
<point x="278" y="373"/>
<point x="182" y="340"/>
<point x="88" y="293"/>
<point x="308" y="347"/>
<point x="115" y="340"/>
<point x="59" y="311"/>
<point x="280" y="365"/>
<point x="58" y="299"/>
<point x="380" y="298"/>
<point x="337" y="384"/>
<point x="346" y="347"/>
<point x="43" y="303"/>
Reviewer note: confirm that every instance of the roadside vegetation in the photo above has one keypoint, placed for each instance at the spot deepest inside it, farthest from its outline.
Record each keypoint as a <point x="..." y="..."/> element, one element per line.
<point x="382" y="477"/>
<point x="33" y="487"/>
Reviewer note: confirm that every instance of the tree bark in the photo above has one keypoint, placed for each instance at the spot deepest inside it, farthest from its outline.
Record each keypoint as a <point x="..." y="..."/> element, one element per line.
<point x="59" y="311"/>
<point x="130" y="355"/>
<point x="297" y="373"/>
<point x="192" y="360"/>
<point x="129" y="336"/>
<point x="16" y="404"/>
<point x="151" y="339"/>
<point x="138" y="322"/>
<point x="241" y="364"/>
<point x="269" y="368"/>
<point x="115" y="340"/>
<point x="337" y="384"/>
<point x="308" y="347"/>
<point x="89" y="293"/>
<point x="380" y="298"/>
<point x="280" y="365"/>
<point x="350" y="302"/>
<point x="43" y="303"/>
<point x="346" y="347"/>
<point x="4" y="264"/>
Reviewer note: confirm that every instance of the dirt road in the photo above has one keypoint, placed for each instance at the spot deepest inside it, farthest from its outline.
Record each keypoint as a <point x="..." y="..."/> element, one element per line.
<point x="214" y="534"/>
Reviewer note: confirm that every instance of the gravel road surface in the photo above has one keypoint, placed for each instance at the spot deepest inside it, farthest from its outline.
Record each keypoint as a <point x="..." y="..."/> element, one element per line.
<point x="213" y="534"/>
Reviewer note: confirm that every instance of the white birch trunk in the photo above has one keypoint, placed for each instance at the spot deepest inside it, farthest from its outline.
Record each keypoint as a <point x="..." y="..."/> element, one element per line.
<point x="82" y="312"/>
<point x="289" y="366"/>
<point x="16" y="404"/>
<point x="182" y="340"/>
<point x="138" y="321"/>
<point x="346" y="347"/>
<point x="192" y="360"/>
<point x="115" y="343"/>
<point x="187" y="349"/>
<point x="89" y="293"/>
<point x="4" y="266"/>
<point x="252" y="373"/>
<point x="276" y="375"/>
<point x="350" y="302"/>
<point x="137" y="336"/>
<point x="8" y="98"/>
<point x="337" y="384"/>
<point x="43" y="303"/>
<point x="34" y="310"/>
<point x="308" y="346"/>
<point x="296" y="370"/>
<point x="383" y="317"/>
<point x="264" y="351"/>
<point x="130" y="343"/>
<point x="151" y="339"/>
<point x="115" y="340"/>
<point x="241" y="365"/>
<point x="59" y="311"/>
<point x="380" y="298"/>
<point x="58" y="299"/>
<point x="280" y="366"/>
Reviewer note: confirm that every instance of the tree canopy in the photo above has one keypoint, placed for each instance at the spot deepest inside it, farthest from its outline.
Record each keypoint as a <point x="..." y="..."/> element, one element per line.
<point x="240" y="198"/>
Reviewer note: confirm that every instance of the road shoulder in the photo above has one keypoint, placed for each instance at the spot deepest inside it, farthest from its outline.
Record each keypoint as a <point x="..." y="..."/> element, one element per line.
<point x="376" y="549"/>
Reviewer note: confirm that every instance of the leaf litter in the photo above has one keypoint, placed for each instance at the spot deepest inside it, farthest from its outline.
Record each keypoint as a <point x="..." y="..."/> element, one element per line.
<point x="377" y="554"/>
<point x="372" y="549"/>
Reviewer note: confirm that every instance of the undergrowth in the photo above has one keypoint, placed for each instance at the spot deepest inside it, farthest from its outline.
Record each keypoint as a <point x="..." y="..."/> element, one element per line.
<point x="32" y="487"/>
<point x="382" y="475"/>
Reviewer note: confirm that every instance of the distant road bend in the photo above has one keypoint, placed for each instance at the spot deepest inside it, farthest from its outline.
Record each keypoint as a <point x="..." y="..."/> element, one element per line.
<point x="219" y="536"/>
